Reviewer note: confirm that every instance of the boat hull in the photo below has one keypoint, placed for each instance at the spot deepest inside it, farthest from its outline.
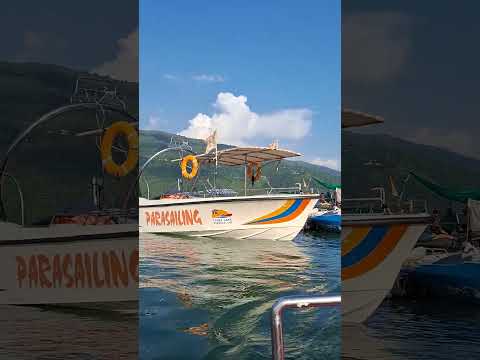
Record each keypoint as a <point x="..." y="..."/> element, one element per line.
<point x="327" y="221"/>
<point x="250" y="217"/>
<point x="459" y="280"/>
<point x="373" y="250"/>
<point x="69" y="264"/>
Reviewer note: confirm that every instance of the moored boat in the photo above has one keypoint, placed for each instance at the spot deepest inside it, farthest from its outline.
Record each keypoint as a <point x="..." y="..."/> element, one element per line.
<point x="87" y="256"/>
<point x="280" y="214"/>
<point x="374" y="245"/>
<point x="326" y="219"/>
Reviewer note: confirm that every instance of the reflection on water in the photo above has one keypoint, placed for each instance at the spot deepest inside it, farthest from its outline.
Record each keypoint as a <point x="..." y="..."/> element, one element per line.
<point x="211" y="298"/>
<point x="407" y="329"/>
<point x="61" y="333"/>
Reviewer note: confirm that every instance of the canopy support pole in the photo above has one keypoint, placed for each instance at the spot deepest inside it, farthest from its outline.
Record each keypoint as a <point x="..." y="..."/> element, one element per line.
<point x="245" y="177"/>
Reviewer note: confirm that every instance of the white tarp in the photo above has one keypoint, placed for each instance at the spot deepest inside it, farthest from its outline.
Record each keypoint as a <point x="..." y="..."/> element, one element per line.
<point x="474" y="214"/>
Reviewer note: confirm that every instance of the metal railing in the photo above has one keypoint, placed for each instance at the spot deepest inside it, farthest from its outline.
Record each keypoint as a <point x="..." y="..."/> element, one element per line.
<point x="278" y="351"/>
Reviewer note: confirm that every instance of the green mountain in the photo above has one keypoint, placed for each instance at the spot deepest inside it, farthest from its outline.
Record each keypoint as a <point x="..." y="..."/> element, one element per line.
<point x="368" y="160"/>
<point x="162" y="174"/>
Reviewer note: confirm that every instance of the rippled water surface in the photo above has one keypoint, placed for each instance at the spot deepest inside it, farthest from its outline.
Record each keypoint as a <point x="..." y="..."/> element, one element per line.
<point x="211" y="298"/>
<point x="56" y="333"/>
<point x="423" y="329"/>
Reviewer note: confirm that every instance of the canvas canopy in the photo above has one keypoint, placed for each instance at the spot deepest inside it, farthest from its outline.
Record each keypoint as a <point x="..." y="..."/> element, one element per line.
<point x="244" y="155"/>
<point x="352" y="118"/>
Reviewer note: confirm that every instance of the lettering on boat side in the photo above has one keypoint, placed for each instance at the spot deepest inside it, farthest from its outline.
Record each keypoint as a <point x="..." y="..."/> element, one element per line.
<point x="173" y="218"/>
<point x="97" y="269"/>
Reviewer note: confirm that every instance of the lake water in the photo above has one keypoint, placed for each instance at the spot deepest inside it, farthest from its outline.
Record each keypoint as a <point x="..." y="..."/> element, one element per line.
<point x="211" y="298"/>
<point x="53" y="333"/>
<point x="416" y="329"/>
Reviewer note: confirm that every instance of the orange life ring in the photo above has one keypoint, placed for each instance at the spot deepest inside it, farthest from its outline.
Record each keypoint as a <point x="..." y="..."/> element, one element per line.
<point x="110" y="166"/>
<point x="187" y="159"/>
<point x="257" y="173"/>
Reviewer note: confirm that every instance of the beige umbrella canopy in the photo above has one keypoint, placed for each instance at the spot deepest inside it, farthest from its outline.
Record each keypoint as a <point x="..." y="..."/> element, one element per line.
<point x="352" y="118"/>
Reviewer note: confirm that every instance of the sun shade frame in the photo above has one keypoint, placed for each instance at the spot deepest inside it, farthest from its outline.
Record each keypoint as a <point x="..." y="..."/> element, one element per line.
<point x="244" y="155"/>
<point x="352" y="119"/>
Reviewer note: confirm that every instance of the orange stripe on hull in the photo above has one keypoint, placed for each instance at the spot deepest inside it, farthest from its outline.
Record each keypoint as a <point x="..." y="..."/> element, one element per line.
<point x="354" y="238"/>
<point x="386" y="246"/>
<point x="281" y="209"/>
<point x="292" y="216"/>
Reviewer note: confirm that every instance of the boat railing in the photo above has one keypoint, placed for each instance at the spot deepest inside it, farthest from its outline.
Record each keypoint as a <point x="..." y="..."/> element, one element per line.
<point x="276" y="190"/>
<point x="213" y="192"/>
<point x="20" y="195"/>
<point x="363" y="205"/>
<point x="292" y="302"/>
<point x="378" y="205"/>
<point x="122" y="214"/>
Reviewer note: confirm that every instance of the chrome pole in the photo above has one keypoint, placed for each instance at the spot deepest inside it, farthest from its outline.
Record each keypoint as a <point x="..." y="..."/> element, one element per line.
<point x="278" y="351"/>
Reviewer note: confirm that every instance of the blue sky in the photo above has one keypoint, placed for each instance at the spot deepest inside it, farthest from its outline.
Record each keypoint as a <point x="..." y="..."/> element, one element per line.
<point x="271" y="68"/>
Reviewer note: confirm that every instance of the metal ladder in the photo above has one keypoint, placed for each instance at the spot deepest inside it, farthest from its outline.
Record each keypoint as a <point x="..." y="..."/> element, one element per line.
<point x="278" y="351"/>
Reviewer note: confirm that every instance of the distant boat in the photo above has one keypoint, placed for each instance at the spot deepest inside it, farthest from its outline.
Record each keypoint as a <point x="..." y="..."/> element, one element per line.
<point x="451" y="274"/>
<point x="327" y="219"/>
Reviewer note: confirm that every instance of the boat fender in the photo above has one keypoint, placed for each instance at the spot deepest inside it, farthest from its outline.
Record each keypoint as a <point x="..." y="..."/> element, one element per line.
<point x="110" y="166"/>
<point x="185" y="173"/>
<point x="254" y="172"/>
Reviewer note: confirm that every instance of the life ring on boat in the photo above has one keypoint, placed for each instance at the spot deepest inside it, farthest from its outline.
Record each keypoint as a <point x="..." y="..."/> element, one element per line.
<point x="255" y="174"/>
<point x="185" y="173"/>
<point x="119" y="128"/>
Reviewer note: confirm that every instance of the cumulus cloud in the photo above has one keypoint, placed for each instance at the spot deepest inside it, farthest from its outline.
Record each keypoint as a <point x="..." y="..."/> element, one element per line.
<point x="375" y="45"/>
<point x="125" y="64"/>
<point x="329" y="163"/>
<point x="236" y="123"/>
<point x="209" y="78"/>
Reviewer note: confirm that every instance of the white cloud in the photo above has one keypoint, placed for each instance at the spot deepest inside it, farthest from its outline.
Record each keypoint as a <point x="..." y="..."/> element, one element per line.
<point x="236" y="123"/>
<point x="169" y="76"/>
<point x="125" y="64"/>
<point x="208" y="78"/>
<point x="330" y="163"/>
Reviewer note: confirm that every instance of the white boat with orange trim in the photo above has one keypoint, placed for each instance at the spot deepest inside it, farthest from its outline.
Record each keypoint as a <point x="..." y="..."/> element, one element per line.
<point x="374" y="244"/>
<point x="270" y="216"/>
<point x="374" y="247"/>
<point x="81" y="257"/>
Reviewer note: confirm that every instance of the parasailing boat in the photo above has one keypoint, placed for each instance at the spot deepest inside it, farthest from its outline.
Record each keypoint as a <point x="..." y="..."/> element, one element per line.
<point x="280" y="214"/>
<point x="374" y="245"/>
<point x="76" y="257"/>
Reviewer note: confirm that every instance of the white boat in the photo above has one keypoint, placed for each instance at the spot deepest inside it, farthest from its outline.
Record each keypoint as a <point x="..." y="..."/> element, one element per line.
<point x="87" y="257"/>
<point x="68" y="263"/>
<point x="374" y="245"/>
<point x="329" y="219"/>
<point x="271" y="216"/>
